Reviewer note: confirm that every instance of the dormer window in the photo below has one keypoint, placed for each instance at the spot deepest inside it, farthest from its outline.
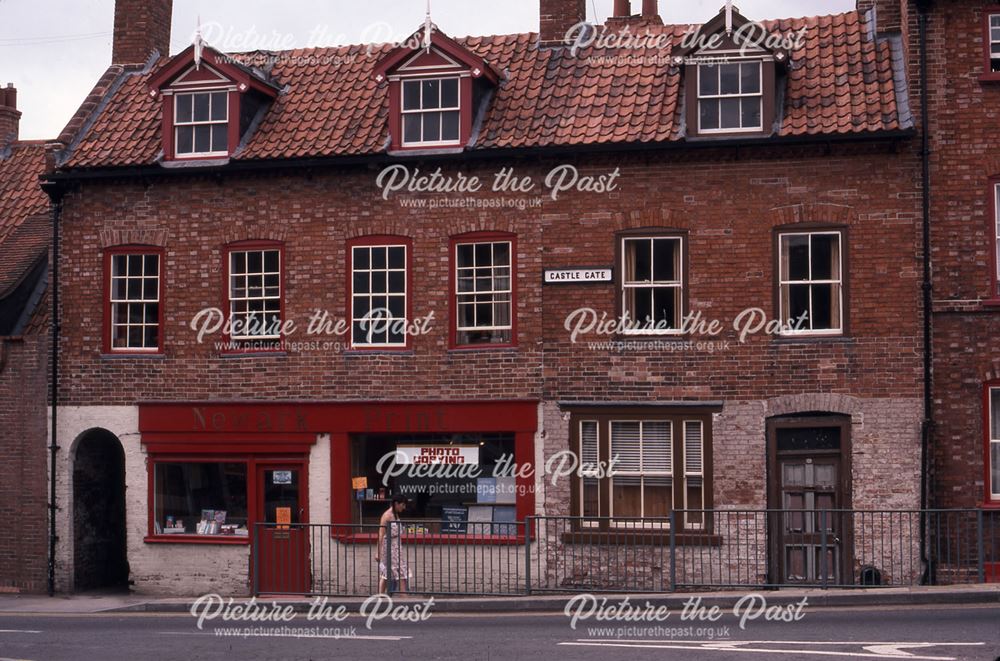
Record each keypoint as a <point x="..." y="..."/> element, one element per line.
<point x="434" y="86"/>
<point x="208" y="103"/>
<point x="730" y="97"/>
<point x="431" y="112"/>
<point x="731" y="75"/>
<point x="201" y="123"/>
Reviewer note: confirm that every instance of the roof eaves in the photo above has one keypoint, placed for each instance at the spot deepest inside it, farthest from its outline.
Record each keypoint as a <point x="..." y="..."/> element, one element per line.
<point x="73" y="140"/>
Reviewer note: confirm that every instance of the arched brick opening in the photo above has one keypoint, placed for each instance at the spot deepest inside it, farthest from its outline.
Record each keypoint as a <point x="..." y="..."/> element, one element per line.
<point x="100" y="559"/>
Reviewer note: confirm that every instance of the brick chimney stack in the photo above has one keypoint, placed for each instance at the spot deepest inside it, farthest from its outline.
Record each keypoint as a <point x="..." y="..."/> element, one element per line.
<point x="557" y="17"/>
<point x="141" y="27"/>
<point x="10" y="116"/>
<point x="889" y="15"/>
<point x="622" y="15"/>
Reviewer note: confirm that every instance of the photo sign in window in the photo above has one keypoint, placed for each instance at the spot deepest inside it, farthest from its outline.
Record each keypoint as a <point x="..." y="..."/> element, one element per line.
<point x="454" y="484"/>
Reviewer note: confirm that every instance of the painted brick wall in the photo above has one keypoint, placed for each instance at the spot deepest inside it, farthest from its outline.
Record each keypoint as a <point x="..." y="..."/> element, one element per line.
<point x="23" y="499"/>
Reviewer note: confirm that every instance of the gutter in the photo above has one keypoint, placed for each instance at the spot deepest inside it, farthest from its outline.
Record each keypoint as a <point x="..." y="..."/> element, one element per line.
<point x="927" y="427"/>
<point x="382" y="158"/>
<point x="55" y="194"/>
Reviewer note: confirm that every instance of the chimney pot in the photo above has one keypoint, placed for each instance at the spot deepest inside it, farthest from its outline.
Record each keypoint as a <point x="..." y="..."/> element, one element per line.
<point x="623" y="8"/>
<point x="10" y="116"/>
<point x="141" y="27"/>
<point x="650" y="9"/>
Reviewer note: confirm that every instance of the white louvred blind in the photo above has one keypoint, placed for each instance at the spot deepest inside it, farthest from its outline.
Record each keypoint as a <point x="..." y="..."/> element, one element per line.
<point x="588" y="448"/>
<point x="693" y="447"/>
<point x="657" y="447"/>
<point x="626" y="446"/>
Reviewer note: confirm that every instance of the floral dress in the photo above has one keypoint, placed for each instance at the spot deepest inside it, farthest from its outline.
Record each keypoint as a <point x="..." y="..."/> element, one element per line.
<point x="392" y="548"/>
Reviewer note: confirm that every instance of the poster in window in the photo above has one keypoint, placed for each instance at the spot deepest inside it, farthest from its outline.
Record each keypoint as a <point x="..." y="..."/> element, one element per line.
<point x="504" y="521"/>
<point x="486" y="490"/>
<point x="480" y="519"/>
<point x="454" y="520"/>
<point x="281" y="477"/>
<point x="283" y="517"/>
<point x="506" y="490"/>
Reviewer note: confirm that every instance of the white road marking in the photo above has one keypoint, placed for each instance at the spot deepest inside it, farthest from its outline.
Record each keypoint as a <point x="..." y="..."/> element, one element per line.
<point x="890" y="650"/>
<point x="330" y="637"/>
<point x="18" y="631"/>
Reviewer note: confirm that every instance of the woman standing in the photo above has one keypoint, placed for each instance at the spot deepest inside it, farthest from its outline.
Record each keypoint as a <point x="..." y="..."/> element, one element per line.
<point x="390" y="547"/>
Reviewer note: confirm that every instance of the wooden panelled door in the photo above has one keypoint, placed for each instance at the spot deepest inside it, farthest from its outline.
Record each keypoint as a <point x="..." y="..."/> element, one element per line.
<point x="809" y="485"/>
<point x="283" y="548"/>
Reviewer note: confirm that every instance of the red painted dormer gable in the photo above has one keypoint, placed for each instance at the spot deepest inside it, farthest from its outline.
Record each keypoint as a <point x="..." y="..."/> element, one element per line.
<point x="208" y="102"/>
<point x="436" y="86"/>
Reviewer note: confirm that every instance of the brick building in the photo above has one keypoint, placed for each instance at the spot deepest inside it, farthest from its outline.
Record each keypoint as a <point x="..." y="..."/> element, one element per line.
<point x="770" y="186"/>
<point x="25" y="229"/>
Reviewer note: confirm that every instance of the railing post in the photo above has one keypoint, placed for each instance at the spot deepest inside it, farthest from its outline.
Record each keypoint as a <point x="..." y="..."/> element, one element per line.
<point x="673" y="552"/>
<point x="823" y="565"/>
<point x="388" y="557"/>
<point x="528" y="527"/>
<point x="256" y="560"/>
<point x="980" y="543"/>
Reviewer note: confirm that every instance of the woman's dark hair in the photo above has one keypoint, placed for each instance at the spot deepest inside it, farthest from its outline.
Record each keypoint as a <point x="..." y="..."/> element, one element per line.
<point x="399" y="498"/>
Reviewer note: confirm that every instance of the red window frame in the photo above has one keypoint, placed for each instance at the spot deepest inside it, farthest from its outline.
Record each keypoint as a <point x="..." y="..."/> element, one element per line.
<point x="989" y="500"/>
<point x="240" y="246"/>
<point x="252" y="461"/>
<point x="131" y="249"/>
<point x="993" y="298"/>
<point x="465" y="99"/>
<point x="168" y="127"/>
<point x="988" y="74"/>
<point x="379" y="240"/>
<point x="480" y="237"/>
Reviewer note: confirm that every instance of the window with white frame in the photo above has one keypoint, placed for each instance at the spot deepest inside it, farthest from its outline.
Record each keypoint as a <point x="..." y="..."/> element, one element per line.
<point x="431" y="112"/>
<point x="811" y="288"/>
<point x="993" y="449"/>
<point x="484" y="293"/>
<point x="635" y="471"/>
<point x="255" y="294"/>
<point x="201" y="124"/>
<point x="994" y="42"/>
<point x="135" y="301"/>
<point x="652" y="284"/>
<point x="378" y="295"/>
<point x="996" y="235"/>
<point x="730" y="97"/>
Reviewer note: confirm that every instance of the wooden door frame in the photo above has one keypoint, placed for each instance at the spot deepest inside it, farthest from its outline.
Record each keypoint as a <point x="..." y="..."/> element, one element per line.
<point x="804" y="421"/>
<point x="259" y="515"/>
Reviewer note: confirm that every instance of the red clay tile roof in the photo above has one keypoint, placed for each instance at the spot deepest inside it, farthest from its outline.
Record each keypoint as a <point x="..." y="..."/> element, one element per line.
<point x="839" y="82"/>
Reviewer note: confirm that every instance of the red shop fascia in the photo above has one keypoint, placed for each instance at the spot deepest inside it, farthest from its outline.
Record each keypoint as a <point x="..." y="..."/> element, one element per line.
<point x="263" y="431"/>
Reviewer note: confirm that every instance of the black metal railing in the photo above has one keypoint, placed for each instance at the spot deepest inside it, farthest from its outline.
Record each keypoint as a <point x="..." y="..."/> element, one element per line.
<point x="690" y="549"/>
<point x="346" y="559"/>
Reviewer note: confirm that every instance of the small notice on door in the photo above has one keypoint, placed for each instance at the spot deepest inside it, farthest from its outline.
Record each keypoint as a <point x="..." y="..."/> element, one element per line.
<point x="283" y="517"/>
<point x="282" y="477"/>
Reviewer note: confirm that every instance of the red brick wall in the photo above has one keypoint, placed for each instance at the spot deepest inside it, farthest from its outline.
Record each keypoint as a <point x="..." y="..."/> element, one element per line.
<point x="23" y="431"/>
<point x="964" y="157"/>
<point x="729" y="206"/>
<point x="141" y="26"/>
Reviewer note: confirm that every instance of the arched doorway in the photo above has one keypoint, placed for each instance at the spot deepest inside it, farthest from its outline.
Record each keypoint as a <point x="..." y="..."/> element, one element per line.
<point x="99" y="556"/>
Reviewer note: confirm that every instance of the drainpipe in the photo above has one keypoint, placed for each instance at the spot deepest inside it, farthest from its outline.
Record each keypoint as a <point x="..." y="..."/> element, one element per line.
<point x="55" y="193"/>
<point x="923" y="8"/>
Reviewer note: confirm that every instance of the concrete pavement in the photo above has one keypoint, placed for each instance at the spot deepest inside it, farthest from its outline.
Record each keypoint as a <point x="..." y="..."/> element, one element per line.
<point x="904" y="596"/>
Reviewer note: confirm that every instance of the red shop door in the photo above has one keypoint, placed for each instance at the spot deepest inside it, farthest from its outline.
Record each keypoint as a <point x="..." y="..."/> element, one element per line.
<point x="283" y="548"/>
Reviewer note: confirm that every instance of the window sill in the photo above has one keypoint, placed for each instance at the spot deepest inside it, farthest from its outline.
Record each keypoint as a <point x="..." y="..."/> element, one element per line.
<point x="254" y="354"/>
<point x="223" y="540"/>
<point x="472" y="348"/>
<point x="989" y="77"/>
<point x="379" y="351"/>
<point x="991" y="505"/>
<point x="990" y="302"/>
<point x="158" y="355"/>
<point x="640" y="537"/>
<point x="437" y="539"/>
<point x="800" y="339"/>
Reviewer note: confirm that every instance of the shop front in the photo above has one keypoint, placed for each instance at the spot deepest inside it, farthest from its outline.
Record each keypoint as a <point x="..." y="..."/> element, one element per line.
<point x="216" y="470"/>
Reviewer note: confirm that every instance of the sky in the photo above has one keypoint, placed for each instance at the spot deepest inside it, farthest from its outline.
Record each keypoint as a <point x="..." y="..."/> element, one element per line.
<point x="53" y="51"/>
